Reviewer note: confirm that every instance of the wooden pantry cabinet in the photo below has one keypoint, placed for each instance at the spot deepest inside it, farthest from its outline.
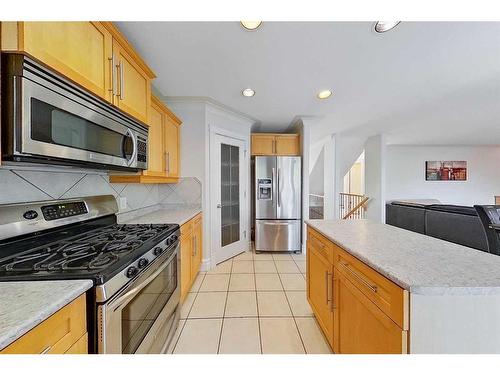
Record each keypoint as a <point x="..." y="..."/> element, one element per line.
<point x="275" y="144"/>
<point x="191" y="253"/>
<point x="64" y="332"/>
<point x="359" y="310"/>
<point x="94" y="55"/>
<point x="163" y="148"/>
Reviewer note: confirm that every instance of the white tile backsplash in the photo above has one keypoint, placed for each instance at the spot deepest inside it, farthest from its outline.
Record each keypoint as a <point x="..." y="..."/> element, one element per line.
<point x="33" y="184"/>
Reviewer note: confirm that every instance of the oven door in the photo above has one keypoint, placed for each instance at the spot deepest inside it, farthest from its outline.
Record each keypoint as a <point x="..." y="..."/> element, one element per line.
<point x="143" y="317"/>
<point x="55" y="126"/>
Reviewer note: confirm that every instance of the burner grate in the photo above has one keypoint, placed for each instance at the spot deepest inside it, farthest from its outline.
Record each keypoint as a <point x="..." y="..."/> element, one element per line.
<point x="92" y="251"/>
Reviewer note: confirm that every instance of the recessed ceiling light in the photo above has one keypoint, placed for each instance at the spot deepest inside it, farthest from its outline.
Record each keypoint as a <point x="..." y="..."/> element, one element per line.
<point x="383" y="26"/>
<point x="324" y="94"/>
<point x="248" y="93"/>
<point x="251" y="25"/>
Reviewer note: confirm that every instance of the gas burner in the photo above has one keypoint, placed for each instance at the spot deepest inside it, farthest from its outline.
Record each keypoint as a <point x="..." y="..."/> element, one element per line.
<point x="95" y="250"/>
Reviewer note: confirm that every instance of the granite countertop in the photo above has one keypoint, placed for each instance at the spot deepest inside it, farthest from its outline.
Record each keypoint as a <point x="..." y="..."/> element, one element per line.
<point x="25" y="304"/>
<point x="418" y="263"/>
<point x="174" y="215"/>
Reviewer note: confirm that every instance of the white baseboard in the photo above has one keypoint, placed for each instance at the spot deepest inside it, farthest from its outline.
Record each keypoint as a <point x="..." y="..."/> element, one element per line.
<point x="205" y="265"/>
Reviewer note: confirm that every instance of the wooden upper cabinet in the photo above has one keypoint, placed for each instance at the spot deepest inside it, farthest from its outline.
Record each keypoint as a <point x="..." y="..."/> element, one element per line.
<point x="156" y="135"/>
<point x="275" y="144"/>
<point x="172" y="145"/>
<point x="81" y="51"/>
<point x="95" y="55"/>
<point x="263" y="144"/>
<point x="163" y="148"/>
<point x="133" y="86"/>
<point x="288" y="145"/>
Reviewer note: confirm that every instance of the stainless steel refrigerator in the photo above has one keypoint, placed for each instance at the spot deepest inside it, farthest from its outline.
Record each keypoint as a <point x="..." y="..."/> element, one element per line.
<point x="278" y="203"/>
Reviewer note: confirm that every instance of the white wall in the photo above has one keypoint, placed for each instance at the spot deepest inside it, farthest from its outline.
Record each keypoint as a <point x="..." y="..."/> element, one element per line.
<point x="197" y="116"/>
<point x="375" y="180"/>
<point x="406" y="174"/>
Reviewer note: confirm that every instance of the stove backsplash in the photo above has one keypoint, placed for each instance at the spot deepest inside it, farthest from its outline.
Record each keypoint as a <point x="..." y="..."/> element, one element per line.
<point x="32" y="184"/>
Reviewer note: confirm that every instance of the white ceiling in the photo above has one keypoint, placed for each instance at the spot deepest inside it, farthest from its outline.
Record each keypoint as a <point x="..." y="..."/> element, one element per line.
<point x="421" y="83"/>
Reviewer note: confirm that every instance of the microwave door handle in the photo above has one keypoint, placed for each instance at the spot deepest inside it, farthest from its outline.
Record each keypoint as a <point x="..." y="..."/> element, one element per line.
<point x="120" y="301"/>
<point x="134" y="144"/>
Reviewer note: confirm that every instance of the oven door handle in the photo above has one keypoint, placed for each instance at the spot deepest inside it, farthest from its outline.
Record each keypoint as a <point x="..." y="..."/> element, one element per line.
<point x="117" y="303"/>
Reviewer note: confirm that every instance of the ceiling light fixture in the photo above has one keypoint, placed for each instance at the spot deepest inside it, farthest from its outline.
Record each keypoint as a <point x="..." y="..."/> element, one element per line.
<point x="325" y="94"/>
<point x="251" y="25"/>
<point x="248" y="93"/>
<point x="383" y="26"/>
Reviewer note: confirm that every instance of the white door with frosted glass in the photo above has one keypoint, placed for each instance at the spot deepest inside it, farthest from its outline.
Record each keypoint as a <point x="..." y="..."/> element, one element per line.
<point x="228" y="166"/>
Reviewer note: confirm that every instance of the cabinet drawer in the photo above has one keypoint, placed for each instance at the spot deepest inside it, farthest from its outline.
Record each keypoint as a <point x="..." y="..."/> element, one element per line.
<point x="320" y="243"/>
<point x="187" y="228"/>
<point x="56" y="334"/>
<point x="197" y="219"/>
<point x="389" y="297"/>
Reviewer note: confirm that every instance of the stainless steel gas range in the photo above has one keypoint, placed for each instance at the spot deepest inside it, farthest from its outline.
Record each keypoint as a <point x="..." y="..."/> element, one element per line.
<point x="134" y="304"/>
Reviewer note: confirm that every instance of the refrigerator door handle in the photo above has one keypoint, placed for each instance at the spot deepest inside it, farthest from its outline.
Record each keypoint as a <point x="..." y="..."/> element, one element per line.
<point x="278" y="190"/>
<point x="278" y="224"/>
<point x="274" y="182"/>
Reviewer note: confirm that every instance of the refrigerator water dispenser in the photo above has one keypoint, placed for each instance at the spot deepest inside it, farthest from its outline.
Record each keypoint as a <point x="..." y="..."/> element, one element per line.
<point x="265" y="189"/>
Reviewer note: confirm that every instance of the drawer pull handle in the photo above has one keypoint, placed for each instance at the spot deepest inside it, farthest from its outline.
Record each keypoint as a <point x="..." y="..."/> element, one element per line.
<point x="355" y="274"/>
<point x="319" y="243"/>
<point x="46" y="350"/>
<point x="333" y="306"/>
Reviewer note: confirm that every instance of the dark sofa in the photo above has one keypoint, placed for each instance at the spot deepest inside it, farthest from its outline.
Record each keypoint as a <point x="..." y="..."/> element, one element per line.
<point x="458" y="224"/>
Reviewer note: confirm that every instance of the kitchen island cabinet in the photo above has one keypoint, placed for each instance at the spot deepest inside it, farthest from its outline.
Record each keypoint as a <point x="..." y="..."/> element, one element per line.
<point x="388" y="290"/>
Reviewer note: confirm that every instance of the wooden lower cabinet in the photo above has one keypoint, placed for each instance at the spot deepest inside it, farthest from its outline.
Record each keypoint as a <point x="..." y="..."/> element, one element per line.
<point x="63" y="332"/>
<point x="359" y="310"/>
<point x="191" y="253"/>
<point x="319" y="290"/>
<point x="360" y="326"/>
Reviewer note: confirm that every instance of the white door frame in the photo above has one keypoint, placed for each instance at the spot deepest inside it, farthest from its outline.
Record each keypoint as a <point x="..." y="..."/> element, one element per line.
<point x="213" y="210"/>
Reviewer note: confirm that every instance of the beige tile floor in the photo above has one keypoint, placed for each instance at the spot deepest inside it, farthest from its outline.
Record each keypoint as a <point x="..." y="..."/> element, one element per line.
<point x="251" y="304"/>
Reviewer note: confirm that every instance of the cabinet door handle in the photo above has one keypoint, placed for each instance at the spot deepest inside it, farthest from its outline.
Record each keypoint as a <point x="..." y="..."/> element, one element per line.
<point x="327" y="284"/>
<point x="112" y="73"/>
<point x="122" y="91"/>
<point x="167" y="162"/>
<point x="374" y="288"/>
<point x="332" y="306"/>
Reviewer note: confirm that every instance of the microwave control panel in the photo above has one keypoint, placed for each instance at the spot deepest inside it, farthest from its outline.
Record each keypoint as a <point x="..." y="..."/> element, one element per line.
<point x="142" y="150"/>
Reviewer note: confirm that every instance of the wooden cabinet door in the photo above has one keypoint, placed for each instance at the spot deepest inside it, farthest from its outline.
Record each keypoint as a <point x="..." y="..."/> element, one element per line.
<point x="319" y="290"/>
<point x="156" y="149"/>
<point x="82" y="51"/>
<point x="263" y="144"/>
<point x="198" y="243"/>
<point x="287" y="145"/>
<point x="186" y="255"/>
<point x="133" y="85"/>
<point x="172" y="147"/>
<point x="360" y="326"/>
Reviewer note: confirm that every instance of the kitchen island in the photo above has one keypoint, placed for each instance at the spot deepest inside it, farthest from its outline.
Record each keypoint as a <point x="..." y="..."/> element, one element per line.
<point x="427" y="295"/>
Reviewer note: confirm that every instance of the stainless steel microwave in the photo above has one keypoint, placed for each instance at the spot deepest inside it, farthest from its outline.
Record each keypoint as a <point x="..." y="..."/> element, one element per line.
<point x="48" y="119"/>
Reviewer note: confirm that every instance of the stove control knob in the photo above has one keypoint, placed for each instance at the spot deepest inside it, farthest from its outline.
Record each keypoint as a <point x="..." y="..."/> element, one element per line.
<point x="143" y="262"/>
<point x="157" y="251"/>
<point x="168" y="241"/>
<point x="131" y="272"/>
<point x="174" y="238"/>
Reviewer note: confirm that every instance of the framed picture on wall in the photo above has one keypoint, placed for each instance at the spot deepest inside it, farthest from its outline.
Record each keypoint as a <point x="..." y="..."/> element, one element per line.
<point x="446" y="171"/>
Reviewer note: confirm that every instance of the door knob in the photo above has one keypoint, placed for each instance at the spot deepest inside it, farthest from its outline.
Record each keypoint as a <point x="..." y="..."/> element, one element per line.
<point x="219" y="205"/>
